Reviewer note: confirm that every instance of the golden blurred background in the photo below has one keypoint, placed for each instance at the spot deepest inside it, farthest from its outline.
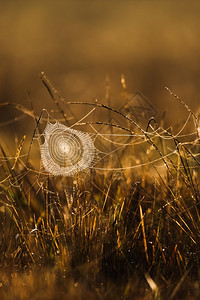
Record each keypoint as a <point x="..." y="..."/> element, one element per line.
<point x="78" y="43"/>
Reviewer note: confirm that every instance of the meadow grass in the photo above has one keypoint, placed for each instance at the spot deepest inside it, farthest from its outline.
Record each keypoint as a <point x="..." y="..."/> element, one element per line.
<point x="132" y="234"/>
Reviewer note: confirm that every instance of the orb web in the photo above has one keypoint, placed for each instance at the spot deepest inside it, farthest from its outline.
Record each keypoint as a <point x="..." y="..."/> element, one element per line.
<point x="66" y="151"/>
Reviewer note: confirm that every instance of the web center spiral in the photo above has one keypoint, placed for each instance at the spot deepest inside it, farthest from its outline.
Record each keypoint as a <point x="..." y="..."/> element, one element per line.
<point x="65" y="148"/>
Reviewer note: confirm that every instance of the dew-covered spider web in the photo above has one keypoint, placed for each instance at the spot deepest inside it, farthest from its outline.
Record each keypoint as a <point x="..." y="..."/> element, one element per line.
<point x="66" y="151"/>
<point x="106" y="139"/>
<point x="109" y="146"/>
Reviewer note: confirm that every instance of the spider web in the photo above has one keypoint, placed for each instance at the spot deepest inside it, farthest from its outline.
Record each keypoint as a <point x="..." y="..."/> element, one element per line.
<point x="66" y="150"/>
<point x="113" y="146"/>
